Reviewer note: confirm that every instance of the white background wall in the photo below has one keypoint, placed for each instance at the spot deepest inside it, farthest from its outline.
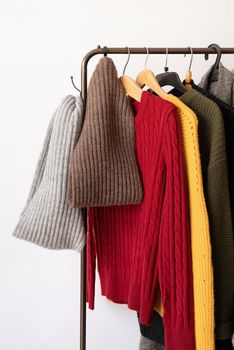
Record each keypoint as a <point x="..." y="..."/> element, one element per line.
<point x="41" y="44"/>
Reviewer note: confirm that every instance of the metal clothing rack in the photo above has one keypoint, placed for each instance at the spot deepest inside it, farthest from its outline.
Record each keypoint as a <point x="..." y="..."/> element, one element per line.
<point x="84" y="70"/>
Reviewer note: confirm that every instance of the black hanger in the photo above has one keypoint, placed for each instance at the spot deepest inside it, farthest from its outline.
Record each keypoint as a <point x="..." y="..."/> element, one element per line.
<point x="214" y="75"/>
<point x="170" y="78"/>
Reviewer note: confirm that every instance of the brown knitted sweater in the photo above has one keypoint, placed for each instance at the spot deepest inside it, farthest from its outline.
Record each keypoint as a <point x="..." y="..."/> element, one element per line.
<point x="104" y="169"/>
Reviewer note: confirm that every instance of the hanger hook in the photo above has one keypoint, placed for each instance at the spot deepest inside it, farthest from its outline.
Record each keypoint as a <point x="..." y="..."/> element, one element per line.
<point x="166" y="69"/>
<point x="72" y="80"/>
<point x="129" y="53"/>
<point x="147" y="56"/>
<point x="217" y="48"/>
<point x="191" y="59"/>
<point x="105" y="51"/>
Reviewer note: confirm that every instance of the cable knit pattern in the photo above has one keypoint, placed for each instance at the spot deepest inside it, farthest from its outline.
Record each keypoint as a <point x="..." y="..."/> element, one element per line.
<point x="216" y="187"/>
<point x="142" y="245"/>
<point x="104" y="169"/>
<point x="47" y="219"/>
<point x="201" y="246"/>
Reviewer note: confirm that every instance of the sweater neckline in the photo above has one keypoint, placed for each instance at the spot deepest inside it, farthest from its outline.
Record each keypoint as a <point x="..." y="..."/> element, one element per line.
<point x="139" y="106"/>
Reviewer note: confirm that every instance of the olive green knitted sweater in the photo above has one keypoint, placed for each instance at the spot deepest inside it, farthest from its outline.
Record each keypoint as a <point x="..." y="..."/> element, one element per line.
<point x="215" y="176"/>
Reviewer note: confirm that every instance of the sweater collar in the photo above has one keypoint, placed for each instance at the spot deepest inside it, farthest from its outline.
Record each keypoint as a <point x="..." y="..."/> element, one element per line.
<point x="186" y="97"/>
<point x="223" y="88"/>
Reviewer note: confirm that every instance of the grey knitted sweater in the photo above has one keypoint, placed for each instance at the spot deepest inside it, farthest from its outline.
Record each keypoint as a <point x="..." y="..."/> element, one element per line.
<point x="47" y="220"/>
<point x="223" y="88"/>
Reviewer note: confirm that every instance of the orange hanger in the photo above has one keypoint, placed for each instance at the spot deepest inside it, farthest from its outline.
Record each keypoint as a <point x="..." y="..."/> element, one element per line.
<point x="147" y="78"/>
<point x="131" y="88"/>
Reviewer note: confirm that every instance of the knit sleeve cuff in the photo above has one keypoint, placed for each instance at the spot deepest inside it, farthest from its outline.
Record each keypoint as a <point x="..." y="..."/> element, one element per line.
<point x="179" y="338"/>
<point x="224" y="330"/>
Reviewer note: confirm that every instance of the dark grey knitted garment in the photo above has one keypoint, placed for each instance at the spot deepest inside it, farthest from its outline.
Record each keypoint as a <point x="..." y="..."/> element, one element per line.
<point x="223" y="88"/>
<point x="155" y="331"/>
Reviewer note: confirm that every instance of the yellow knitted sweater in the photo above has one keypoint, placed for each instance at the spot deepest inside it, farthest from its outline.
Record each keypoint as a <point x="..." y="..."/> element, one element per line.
<point x="200" y="236"/>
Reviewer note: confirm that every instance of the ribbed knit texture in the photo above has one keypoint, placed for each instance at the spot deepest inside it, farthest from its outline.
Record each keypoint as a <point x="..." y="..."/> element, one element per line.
<point x="155" y="331"/>
<point x="201" y="246"/>
<point x="142" y="245"/>
<point x="104" y="169"/>
<point x="147" y="344"/>
<point x="215" y="178"/>
<point x="223" y="88"/>
<point x="47" y="220"/>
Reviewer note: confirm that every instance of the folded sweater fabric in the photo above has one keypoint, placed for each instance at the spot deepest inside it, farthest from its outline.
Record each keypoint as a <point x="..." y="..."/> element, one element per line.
<point x="200" y="234"/>
<point x="216" y="187"/>
<point x="104" y="169"/>
<point x="215" y="176"/>
<point x="201" y="245"/>
<point x="47" y="220"/>
<point x="140" y="245"/>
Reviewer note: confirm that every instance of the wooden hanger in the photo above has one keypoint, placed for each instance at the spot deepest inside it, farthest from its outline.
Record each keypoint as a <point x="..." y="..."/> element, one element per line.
<point x="170" y="78"/>
<point x="147" y="78"/>
<point x="131" y="88"/>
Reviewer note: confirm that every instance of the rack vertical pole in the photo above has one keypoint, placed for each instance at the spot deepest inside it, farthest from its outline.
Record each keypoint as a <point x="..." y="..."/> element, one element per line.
<point x="83" y="253"/>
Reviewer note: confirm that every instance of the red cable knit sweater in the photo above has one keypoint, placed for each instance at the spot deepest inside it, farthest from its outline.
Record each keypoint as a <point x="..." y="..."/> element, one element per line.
<point x="141" y="246"/>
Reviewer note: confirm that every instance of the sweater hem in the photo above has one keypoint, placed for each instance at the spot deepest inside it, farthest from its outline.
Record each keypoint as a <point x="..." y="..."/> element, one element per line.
<point x="51" y="246"/>
<point x="224" y="330"/>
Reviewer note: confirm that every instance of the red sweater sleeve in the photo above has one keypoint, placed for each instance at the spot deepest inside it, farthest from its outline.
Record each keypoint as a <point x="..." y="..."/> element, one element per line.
<point x="170" y="244"/>
<point x="174" y="257"/>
